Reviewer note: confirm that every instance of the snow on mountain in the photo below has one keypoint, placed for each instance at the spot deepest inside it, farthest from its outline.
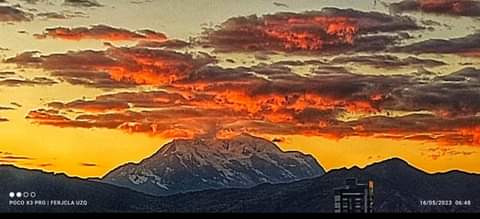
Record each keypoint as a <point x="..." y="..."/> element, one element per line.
<point x="200" y="164"/>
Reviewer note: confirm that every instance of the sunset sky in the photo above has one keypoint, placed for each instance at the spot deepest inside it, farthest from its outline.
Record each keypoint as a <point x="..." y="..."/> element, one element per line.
<point x="86" y="85"/>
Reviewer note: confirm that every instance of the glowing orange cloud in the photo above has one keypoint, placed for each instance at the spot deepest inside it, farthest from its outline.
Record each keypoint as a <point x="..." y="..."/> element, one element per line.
<point x="125" y="66"/>
<point x="47" y="117"/>
<point x="272" y="106"/>
<point x="185" y="121"/>
<point x="150" y="66"/>
<point x="198" y="98"/>
<point x="155" y="129"/>
<point x="328" y="30"/>
<point x="336" y="31"/>
<point x="101" y="32"/>
<point x="473" y="132"/>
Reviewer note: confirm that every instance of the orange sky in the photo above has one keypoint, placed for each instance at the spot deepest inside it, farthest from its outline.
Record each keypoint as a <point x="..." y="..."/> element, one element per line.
<point x="90" y="148"/>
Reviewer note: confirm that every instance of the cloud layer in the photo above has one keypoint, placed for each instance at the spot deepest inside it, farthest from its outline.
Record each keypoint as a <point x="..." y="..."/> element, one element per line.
<point x="328" y="30"/>
<point x="469" y="8"/>
<point x="190" y="94"/>
<point x="464" y="46"/>
<point x="82" y="3"/>
<point x="11" y="79"/>
<point x="101" y="32"/>
<point x="12" y="14"/>
<point x="115" y="67"/>
<point x="273" y="99"/>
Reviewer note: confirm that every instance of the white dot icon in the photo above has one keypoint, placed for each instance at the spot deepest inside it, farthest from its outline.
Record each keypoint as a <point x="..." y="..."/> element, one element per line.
<point x="19" y="194"/>
<point x="11" y="194"/>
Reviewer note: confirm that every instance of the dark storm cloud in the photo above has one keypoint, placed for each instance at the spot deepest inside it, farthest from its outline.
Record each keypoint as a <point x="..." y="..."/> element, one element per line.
<point x="329" y="30"/>
<point x="466" y="46"/>
<point x="273" y="100"/>
<point x="52" y="117"/>
<point x="77" y="68"/>
<point x="449" y="131"/>
<point x="12" y="14"/>
<point x="453" y="95"/>
<point x="199" y="98"/>
<point x="213" y="97"/>
<point x="169" y="122"/>
<point x="469" y="8"/>
<point x="82" y="3"/>
<point x="101" y="32"/>
<point x="116" y="67"/>
<point x="91" y="106"/>
<point x="33" y="2"/>
<point x="93" y="79"/>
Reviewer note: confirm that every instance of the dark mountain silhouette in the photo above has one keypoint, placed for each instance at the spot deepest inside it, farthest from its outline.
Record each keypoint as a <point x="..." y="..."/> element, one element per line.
<point x="399" y="187"/>
<point x="208" y="163"/>
<point x="47" y="186"/>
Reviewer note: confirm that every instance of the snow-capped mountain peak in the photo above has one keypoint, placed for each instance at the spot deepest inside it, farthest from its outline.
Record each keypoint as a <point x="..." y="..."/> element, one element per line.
<point x="242" y="145"/>
<point x="210" y="163"/>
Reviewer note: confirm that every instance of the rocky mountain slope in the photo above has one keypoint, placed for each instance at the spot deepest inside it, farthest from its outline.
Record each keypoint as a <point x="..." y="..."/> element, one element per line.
<point x="199" y="164"/>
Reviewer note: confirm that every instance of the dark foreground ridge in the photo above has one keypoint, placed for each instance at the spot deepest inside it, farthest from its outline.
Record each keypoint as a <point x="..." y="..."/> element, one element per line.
<point x="399" y="187"/>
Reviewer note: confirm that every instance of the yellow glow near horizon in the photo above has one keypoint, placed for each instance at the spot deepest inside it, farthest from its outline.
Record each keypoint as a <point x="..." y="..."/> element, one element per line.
<point x="362" y="151"/>
<point x="65" y="149"/>
<point x="68" y="148"/>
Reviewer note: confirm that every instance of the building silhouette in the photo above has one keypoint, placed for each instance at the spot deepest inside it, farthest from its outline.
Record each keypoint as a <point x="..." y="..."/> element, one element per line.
<point x="354" y="197"/>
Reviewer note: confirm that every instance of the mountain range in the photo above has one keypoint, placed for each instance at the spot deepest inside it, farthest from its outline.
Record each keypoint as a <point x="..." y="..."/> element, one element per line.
<point x="399" y="187"/>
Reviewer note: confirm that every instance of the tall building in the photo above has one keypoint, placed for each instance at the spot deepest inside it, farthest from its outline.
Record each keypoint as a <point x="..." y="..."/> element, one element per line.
<point x="354" y="197"/>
